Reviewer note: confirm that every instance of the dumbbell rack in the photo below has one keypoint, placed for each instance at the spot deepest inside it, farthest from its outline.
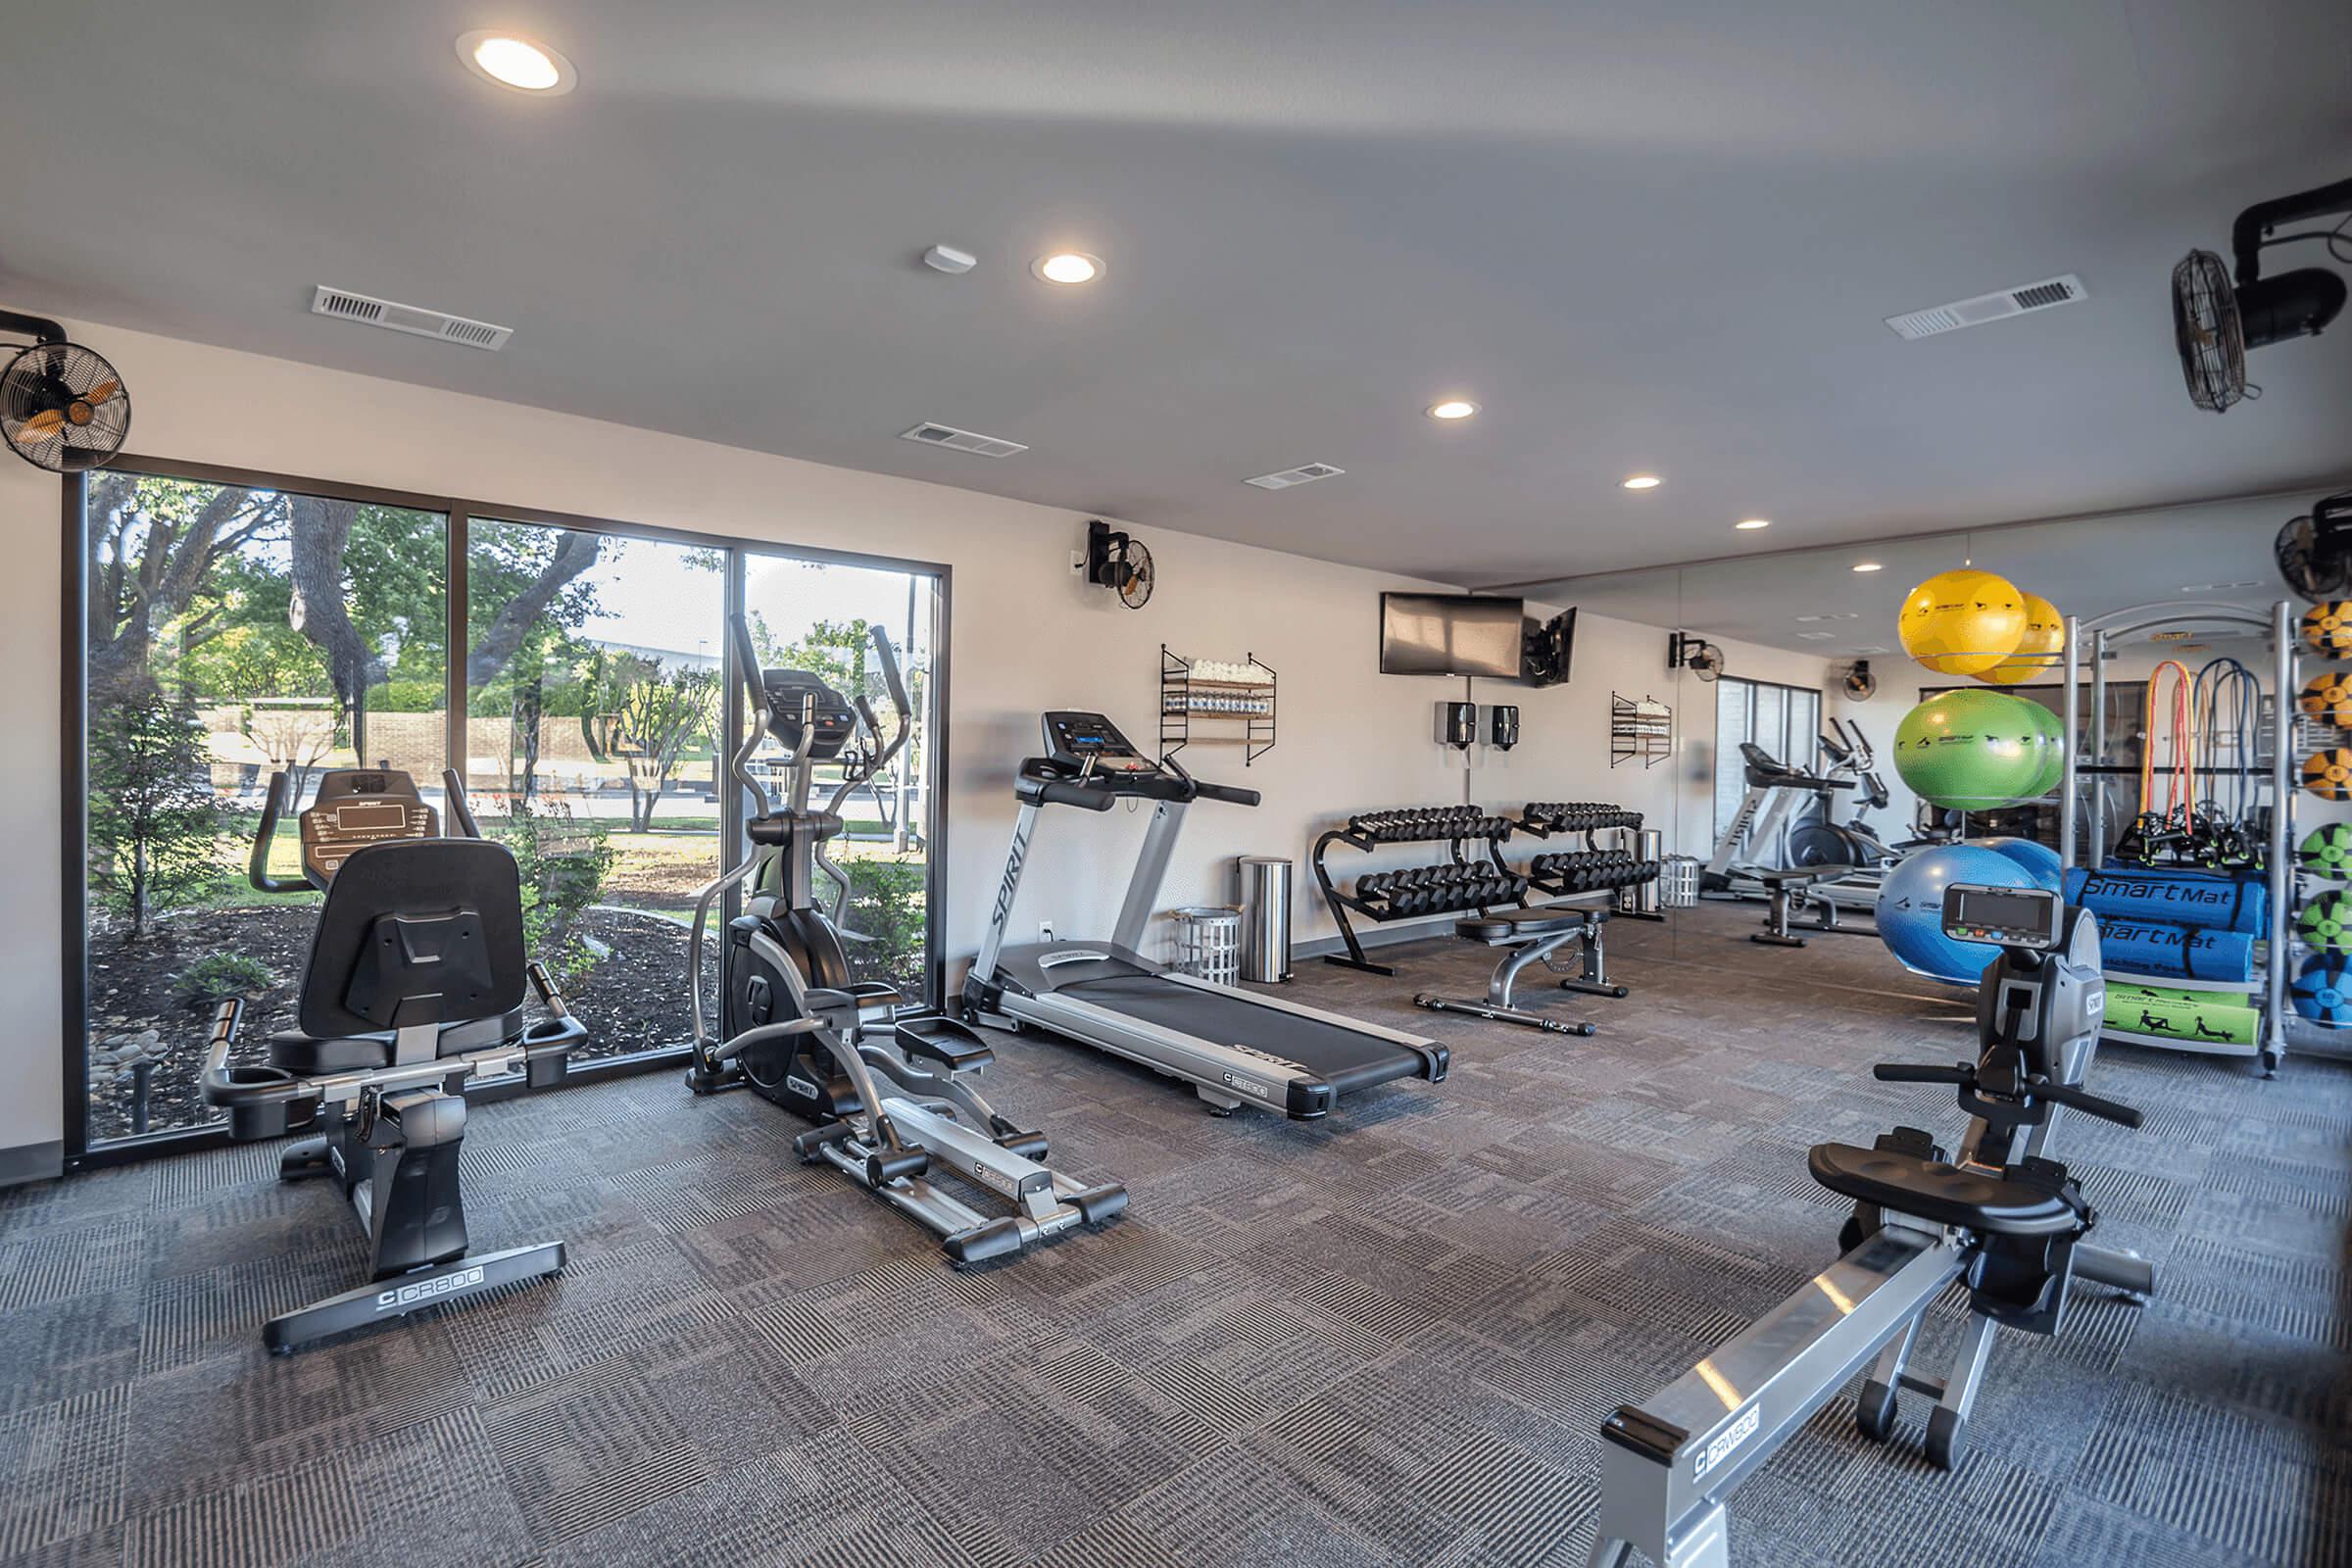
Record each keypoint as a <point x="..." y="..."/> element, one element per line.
<point x="1565" y="873"/>
<point x="1461" y="884"/>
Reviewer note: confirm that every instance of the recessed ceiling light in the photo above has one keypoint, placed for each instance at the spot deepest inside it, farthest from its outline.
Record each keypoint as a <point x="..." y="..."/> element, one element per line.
<point x="1868" y="566"/>
<point x="1751" y="524"/>
<point x="1641" y="481"/>
<point x="1067" y="266"/>
<point x="2210" y="587"/>
<point x="1453" y="409"/>
<point x="517" y="62"/>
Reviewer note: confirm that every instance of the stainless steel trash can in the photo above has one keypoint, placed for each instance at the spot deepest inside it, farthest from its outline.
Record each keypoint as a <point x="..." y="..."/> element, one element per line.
<point x="1265" y="918"/>
<point x="1643" y="898"/>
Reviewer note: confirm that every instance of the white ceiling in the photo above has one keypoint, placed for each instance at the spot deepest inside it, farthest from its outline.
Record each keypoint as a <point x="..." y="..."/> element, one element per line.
<point x="1646" y="237"/>
<point x="2198" y="555"/>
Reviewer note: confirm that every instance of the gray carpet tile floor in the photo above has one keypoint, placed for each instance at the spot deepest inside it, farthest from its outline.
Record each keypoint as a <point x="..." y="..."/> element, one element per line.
<point x="1389" y="1337"/>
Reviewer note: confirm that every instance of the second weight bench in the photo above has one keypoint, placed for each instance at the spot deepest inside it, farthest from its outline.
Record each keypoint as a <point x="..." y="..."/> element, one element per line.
<point x="1537" y="935"/>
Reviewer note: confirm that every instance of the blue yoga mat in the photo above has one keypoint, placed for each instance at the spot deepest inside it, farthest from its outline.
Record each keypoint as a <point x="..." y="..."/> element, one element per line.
<point x="2176" y="952"/>
<point x="2205" y="899"/>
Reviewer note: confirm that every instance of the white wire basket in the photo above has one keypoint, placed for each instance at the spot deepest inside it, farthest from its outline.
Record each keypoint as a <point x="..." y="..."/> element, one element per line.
<point x="1678" y="881"/>
<point x="1208" y="944"/>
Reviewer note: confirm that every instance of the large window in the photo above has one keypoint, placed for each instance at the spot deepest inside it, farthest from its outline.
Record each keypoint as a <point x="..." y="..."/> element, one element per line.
<point x="240" y="630"/>
<point x="593" y="706"/>
<point x="816" y="616"/>
<point x="1785" y="721"/>
<point x="235" y="633"/>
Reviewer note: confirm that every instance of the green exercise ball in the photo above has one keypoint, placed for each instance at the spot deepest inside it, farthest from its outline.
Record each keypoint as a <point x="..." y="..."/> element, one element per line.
<point x="1978" y="750"/>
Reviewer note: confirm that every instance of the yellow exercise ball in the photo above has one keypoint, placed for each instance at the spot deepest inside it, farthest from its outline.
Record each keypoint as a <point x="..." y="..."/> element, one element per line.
<point x="2039" y="652"/>
<point x="1963" y="623"/>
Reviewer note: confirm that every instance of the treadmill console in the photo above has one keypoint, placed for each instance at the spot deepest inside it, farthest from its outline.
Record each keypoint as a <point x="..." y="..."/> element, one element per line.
<point x="356" y="807"/>
<point x="1075" y="739"/>
<point x="2008" y="917"/>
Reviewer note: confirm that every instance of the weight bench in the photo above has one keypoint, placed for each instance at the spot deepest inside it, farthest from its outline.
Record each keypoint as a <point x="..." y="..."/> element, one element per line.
<point x="1533" y="936"/>
<point x="1790" y="891"/>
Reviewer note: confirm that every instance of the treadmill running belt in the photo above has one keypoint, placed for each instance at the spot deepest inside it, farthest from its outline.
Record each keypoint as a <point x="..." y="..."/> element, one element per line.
<point x="1347" y="1058"/>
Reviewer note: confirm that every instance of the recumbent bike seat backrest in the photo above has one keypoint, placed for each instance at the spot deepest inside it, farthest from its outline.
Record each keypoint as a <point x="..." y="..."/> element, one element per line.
<point x="414" y="933"/>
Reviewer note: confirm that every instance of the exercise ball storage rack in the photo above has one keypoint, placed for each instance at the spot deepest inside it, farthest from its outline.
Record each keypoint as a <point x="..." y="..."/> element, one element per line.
<point x="2083" y="822"/>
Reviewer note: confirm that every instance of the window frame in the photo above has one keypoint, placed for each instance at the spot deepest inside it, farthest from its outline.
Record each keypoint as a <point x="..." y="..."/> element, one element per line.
<point x="459" y="513"/>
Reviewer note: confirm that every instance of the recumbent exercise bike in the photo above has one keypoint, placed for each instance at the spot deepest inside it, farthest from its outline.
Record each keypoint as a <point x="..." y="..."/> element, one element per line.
<point x="414" y="985"/>
<point x="795" y="1024"/>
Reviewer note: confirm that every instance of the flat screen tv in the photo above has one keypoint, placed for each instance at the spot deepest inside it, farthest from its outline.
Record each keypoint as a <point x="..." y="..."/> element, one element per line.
<point x="1449" y="634"/>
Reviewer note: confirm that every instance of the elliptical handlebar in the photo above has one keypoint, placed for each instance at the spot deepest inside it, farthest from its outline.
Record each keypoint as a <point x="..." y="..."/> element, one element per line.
<point x="256" y="868"/>
<point x="460" y="810"/>
<point x="1902" y="1072"/>
<point x="2090" y="1104"/>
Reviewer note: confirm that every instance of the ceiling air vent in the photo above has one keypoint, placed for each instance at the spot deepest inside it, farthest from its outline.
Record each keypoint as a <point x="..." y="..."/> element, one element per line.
<point x="345" y="306"/>
<point x="1984" y="307"/>
<point x="1817" y="636"/>
<point x="1304" y="473"/>
<point x="947" y="435"/>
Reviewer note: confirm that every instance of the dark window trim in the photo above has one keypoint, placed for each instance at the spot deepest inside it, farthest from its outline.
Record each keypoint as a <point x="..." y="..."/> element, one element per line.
<point x="73" y="869"/>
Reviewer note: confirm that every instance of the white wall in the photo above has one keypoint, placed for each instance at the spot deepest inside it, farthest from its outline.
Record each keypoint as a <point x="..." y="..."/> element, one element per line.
<point x="31" y="1067"/>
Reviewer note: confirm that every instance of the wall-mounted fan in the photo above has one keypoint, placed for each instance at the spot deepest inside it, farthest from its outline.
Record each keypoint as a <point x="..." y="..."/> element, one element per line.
<point x="1696" y="654"/>
<point x="2217" y="319"/>
<point x="1120" y="564"/>
<point x="2315" y="550"/>
<point x="62" y="407"/>
<point x="1860" y="684"/>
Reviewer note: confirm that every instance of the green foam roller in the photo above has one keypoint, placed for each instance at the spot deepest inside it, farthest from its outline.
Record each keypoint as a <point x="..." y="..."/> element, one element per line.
<point x="2203" y="1017"/>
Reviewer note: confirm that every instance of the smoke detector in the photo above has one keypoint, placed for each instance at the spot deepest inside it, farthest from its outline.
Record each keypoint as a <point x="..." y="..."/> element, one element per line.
<point x="947" y="435"/>
<point x="1304" y="473"/>
<point x="1993" y="307"/>
<point x="415" y="320"/>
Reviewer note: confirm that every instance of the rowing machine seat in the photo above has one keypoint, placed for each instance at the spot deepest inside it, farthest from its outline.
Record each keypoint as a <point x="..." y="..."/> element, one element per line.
<point x="1946" y="1194"/>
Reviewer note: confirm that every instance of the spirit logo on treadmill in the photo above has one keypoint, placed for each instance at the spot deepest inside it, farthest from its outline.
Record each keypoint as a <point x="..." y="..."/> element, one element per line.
<point x="426" y="1289"/>
<point x="800" y="1086"/>
<point x="1726" y="1442"/>
<point x="1247" y="1085"/>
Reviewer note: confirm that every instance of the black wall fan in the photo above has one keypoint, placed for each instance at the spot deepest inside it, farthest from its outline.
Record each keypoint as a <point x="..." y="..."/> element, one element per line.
<point x="2315" y="550"/>
<point x="1120" y="564"/>
<point x="2217" y="319"/>
<point x="62" y="407"/>
<point x="1696" y="654"/>
<point x="1859" y="683"/>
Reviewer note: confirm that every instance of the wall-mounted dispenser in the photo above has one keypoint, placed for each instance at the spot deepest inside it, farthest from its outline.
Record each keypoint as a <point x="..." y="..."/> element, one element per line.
<point x="1460" y="723"/>
<point x="1502" y="726"/>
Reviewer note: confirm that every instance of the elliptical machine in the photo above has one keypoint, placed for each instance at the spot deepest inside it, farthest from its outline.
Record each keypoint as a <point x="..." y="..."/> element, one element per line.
<point x="794" y="1027"/>
<point x="1999" y="1218"/>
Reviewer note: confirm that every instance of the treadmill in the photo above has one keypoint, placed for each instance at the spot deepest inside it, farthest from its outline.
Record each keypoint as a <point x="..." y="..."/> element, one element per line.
<point x="1235" y="1047"/>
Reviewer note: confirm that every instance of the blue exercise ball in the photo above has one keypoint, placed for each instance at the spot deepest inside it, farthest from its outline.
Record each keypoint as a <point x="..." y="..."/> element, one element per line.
<point x="2040" y="860"/>
<point x="2323" y="989"/>
<point x="1911" y="909"/>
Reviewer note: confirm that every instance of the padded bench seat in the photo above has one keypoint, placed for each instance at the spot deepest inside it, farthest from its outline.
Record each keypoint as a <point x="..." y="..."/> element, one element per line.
<point x="1527" y="924"/>
<point x="1802" y="876"/>
<point x="1944" y="1195"/>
